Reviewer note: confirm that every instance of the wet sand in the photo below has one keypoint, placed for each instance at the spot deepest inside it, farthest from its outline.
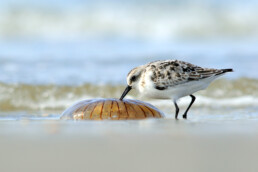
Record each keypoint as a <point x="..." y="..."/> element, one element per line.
<point x="146" y="145"/>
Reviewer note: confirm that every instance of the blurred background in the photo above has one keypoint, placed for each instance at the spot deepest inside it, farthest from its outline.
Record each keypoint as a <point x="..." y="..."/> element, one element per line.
<point x="55" y="51"/>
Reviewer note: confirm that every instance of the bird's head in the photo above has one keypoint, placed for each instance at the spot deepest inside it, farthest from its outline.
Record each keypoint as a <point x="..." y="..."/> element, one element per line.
<point x="133" y="78"/>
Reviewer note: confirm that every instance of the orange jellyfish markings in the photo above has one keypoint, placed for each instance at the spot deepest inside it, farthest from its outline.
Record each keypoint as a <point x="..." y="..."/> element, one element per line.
<point x="114" y="109"/>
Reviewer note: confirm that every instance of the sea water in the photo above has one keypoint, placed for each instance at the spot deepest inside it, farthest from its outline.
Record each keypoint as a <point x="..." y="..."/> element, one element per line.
<point x="52" y="56"/>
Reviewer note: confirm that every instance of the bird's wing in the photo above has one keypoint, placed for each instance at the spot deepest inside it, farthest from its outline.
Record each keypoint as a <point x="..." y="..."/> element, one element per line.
<point x="170" y="73"/>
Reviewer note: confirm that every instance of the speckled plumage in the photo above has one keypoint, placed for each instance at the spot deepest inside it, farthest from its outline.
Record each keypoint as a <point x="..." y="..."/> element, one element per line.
<point x="171" y="79"/>
<point x="170" y="73"/>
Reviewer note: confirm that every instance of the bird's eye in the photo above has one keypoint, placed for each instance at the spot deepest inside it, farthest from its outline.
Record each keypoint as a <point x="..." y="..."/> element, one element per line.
<point x="133" y="78"/>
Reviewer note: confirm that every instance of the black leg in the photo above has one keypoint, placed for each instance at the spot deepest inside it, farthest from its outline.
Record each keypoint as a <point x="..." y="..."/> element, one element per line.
<point x="177" y="109"/>
<point x="192" y="101"/>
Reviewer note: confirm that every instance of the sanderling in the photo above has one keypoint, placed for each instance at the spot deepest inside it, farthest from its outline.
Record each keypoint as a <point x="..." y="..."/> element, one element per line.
<point x="171" y="79"/>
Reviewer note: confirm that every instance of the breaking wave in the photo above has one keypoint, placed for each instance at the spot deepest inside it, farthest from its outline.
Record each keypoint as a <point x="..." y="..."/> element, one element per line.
<point x="159" y="20"/>
<point x="24" y="97"/>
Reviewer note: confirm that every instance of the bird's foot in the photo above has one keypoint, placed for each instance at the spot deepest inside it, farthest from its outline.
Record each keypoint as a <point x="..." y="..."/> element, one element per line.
<point x="185" y="116"/>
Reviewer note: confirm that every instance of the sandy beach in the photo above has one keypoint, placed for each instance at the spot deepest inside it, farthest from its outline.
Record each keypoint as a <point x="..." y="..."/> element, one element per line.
<point x="56" y="53"/>
<point x="145" y="145"/>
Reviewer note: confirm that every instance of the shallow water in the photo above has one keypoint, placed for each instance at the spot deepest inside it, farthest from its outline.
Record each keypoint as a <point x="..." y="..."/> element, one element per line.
<point x="223" y="97"/>
<point x="54" y="54"/>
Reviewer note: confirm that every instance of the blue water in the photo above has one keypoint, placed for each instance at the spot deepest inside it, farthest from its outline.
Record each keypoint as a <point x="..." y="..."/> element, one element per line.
<point x="98" y="42"/>
<point x="54" y="53"/>
<point x="100" y="62"/>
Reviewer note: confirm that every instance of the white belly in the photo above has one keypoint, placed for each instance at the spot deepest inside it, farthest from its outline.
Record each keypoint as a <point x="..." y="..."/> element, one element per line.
<point x="177" y="91"/>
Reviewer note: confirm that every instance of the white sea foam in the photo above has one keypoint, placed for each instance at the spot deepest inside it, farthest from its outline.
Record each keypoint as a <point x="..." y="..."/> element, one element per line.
<point x="201" y="102"/>
<point x="158" y="21"/>
<point x="236" y="94"/>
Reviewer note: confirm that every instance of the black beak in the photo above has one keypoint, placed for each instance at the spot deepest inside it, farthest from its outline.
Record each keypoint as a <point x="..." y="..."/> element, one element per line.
<point x="128" y="88"/>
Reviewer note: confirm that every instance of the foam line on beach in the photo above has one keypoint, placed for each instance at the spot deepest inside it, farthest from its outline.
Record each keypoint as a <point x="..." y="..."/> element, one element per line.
<point x="241" y="92"/>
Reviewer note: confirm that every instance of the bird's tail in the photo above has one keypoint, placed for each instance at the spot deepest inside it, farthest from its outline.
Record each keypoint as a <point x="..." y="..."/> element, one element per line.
<point x="227" y="70"/>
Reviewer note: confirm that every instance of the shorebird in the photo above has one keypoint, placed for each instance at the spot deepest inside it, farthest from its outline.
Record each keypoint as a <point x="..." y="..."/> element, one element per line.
<point x="171" y="79"/>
